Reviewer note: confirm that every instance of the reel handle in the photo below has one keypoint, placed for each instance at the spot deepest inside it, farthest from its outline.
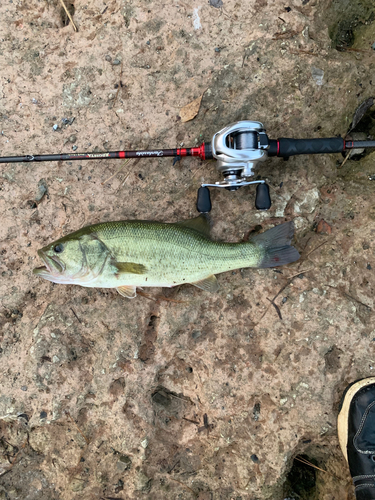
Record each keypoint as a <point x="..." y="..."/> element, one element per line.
<point x="262" y="197"/>
<point x="204" y="200"/>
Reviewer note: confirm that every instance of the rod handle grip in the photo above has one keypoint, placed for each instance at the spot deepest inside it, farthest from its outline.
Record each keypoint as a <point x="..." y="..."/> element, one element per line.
<point x="290" y="147"/>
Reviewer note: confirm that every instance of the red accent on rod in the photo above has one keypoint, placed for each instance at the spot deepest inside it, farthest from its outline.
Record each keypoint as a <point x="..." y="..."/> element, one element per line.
<point x="278" y="148"/>
<point x="182" y="152"/>
<point x="121" y="154"/>
<point x="199" y="152"/>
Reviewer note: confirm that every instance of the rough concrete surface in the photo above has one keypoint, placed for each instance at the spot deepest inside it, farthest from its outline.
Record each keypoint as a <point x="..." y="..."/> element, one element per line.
<point x="207" y="396"/>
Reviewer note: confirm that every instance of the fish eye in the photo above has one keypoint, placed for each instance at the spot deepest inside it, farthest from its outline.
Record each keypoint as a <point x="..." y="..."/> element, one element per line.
<point x="58" y="248"/>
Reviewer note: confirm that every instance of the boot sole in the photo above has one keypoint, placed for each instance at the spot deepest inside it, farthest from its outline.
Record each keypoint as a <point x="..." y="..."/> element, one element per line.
<point x="343" y="417"/>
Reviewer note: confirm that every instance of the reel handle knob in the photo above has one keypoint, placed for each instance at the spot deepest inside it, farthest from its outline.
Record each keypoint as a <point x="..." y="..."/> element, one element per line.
<point x="203" y="200"/>
<point x="262" y="197"/>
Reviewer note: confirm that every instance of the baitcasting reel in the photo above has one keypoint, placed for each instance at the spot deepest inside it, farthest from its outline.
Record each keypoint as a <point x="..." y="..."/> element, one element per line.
<point x="238" y="148"/>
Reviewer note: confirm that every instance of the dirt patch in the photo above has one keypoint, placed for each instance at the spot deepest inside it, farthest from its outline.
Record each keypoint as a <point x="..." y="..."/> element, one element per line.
<point x="205" y="395"/>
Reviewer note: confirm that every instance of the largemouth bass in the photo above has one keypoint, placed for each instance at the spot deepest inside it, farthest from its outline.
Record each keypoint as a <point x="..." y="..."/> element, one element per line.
<point x="130" y="254"/>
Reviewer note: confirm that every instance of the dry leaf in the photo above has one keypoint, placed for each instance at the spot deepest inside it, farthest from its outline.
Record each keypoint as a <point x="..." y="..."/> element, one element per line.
<point x="360" y="112"/>
<point x="323" y="227"/>
<point x="190" y="111"/>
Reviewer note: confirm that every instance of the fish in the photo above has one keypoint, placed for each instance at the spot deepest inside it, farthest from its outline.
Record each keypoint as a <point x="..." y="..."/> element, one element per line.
<point x="127" y="255"/>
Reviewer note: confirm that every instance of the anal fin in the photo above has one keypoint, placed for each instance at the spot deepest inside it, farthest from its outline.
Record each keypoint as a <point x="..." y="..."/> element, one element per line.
<point x="128" y="291"/>
<point x="209" y="284"/>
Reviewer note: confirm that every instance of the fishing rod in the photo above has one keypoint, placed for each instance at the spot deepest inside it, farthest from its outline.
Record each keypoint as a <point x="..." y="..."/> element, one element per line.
<point x="238" y="148"/>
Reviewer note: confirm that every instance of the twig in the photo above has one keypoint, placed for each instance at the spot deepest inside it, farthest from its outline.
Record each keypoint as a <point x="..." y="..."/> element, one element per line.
<point x="316" y="248"/>
<point x="146" y="295"/>
<point x="171" y="469"/>
<point x="349" y="296"/>
<point x="276" y="307"/>
<point x="358" y="301"/>
<point x="185" y="485"/>
<point x="73" y="311"/>
<point x="79" y="430"/>
<point x="122" y="166"/>
<point x="347" y="49"/>
<point x="68" y="14"/>
<point x="307" y="462"/>
<point x="346" y="158"/>
<point x="191" y="421"/>
<point x="118" y="88"/>
<point x="16" y="456"/>
<point x="206" y="425"/>
<point x="295" y="275"/>
<point x="178" y="397"/>
<point x="281" y="290"/>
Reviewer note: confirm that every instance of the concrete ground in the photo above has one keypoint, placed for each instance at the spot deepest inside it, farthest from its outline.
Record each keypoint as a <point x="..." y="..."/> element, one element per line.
<point x="206" y="396"/>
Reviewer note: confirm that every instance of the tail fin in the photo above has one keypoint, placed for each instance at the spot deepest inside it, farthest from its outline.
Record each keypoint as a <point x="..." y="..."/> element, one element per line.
<point x="276" y="244"/>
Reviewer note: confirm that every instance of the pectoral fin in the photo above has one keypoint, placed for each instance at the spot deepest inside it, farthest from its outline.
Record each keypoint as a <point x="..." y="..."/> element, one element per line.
<point x="209" y="284"/>
<point x="127" y="291"/>
<point x="129" y="267"/>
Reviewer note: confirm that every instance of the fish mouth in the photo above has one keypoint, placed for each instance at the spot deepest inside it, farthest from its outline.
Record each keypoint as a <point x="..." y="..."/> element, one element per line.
<point x="52" y="265"/>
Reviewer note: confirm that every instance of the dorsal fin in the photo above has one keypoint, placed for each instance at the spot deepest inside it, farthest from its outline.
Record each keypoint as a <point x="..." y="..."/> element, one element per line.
<point x="201" y="224"/>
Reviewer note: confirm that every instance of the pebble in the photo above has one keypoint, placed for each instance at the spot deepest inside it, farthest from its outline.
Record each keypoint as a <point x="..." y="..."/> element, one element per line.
<point x="317" y="75"/>
<point x="24" y="388"/>
<point x="73" y="138"/>
<point x="43" y="414"/>
<point x="77" y="485"/>
<point x="116" y="62"/>
<point x="254" y="458"/>
<point x="217" y="49"/>
<point x="42" y="190"/>
<point x="108" y="58"/>
<point x="68" y="121"/>
<point x="74" y="148"/>
<point x="369" y="267"/>
<point x="124" y="463"/>
<point x="55" y="127"/>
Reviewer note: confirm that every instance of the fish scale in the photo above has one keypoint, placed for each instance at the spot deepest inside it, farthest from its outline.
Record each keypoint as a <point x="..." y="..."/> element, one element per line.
<point x="169" y="260"/>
